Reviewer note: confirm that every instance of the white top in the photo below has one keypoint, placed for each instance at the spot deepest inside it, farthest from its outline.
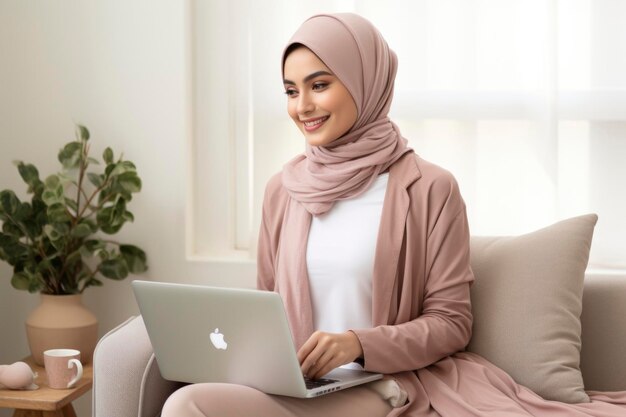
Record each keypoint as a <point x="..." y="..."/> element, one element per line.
<point x="340" y="263"/>
<point x="340" y="260"/>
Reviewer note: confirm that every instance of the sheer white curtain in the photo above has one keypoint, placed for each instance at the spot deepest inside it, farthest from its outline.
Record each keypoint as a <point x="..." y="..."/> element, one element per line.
<point x="523" y="100"/>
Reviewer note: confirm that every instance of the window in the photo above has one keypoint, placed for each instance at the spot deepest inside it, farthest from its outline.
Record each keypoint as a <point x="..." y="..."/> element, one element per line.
<point x="523" y="100"/>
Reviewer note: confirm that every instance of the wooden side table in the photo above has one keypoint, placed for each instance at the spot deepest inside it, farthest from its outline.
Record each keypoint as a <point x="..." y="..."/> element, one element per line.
<point x="45" y="401"/>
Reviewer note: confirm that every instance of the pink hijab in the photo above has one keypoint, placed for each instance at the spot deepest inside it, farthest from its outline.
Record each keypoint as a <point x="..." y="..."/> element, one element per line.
<point x="358" y="55"/>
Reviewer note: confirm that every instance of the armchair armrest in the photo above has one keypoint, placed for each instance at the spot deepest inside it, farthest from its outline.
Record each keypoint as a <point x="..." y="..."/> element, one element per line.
<point x="127" y="380"/>
<point x="603" y="358"/>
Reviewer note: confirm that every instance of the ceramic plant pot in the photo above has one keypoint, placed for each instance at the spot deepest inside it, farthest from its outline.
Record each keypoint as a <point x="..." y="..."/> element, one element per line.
<point x="62" y="322"/>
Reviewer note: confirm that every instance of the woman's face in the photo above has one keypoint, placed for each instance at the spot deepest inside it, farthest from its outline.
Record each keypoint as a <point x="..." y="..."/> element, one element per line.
<point x="317" y="101"/>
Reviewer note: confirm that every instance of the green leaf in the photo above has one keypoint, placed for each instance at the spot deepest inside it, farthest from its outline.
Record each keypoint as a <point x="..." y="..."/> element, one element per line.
<point x="59" y="245"/>
<point x="50" y="232"/>
<point x="45" y="265"/>
<point x="84" y="273"/>
<point x="56" y="231"/>
<point x="85" y="252"/>
<point x="71" y="204"/>
<point x="20" y="281"/>
<point x="35" y="286"/>
<point x="37" y="190"/>
<point x="111" y="219"/>
<point x="95" y="244"/>
<point x="105" y="216"/>
<point x="93" y="161"/>
<point x="107" y="155"/>
<point x="67" y="178"/>
<point x="83" y="132"/>
<point x="9" y="203"/>
<point x="70" y="155"/>
<point x="53" y="191"/>
<point x="30" y="175"/>
<point x="112" y="229"/>
<point x="107" y="171"/>
<point x="122" y="167"/>
<point x="24" y="211"/>
<point x="50" y="198"/>
<point x="129" y="216"/>
<point x="81" y="230"/>
<point x="103" y="254"/>
<point x="5" y="240"/>
<point x="93" y="247"/>
<point x="57" y="213"/>
<point x="93" y="282"/>
<point x="92" y="224"/>
<point x="33" y="228"/>
<point x="114" y="268"/>
<point x="52" y="182"/>
<point x="73" y="259"/>
<point x="95" y="179"/>
<point x="130" y="182"/>
<point x="135" y="258"/>
<point x="11" y="229"/>
<point x="11" y="249"/>
<point x="15" y="252"/>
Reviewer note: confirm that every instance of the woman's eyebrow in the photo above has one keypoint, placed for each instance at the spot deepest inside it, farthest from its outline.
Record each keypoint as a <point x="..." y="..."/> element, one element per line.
<point x="308" y="77"/>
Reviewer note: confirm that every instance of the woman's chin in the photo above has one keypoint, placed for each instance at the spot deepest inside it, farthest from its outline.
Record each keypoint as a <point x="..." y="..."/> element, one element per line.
<point x="318" y="140"/>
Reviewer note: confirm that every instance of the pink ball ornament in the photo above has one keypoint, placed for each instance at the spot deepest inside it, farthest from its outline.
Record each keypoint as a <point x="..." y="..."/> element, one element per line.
<point x="18" y="375"/>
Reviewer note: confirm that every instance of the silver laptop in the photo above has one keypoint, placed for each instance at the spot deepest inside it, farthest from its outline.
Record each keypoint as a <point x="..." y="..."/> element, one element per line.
<point x="208" y="334"/>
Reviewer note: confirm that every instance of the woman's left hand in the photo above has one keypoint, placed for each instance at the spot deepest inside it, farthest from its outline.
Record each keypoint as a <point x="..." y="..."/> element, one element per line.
<point x="324" y="352"/>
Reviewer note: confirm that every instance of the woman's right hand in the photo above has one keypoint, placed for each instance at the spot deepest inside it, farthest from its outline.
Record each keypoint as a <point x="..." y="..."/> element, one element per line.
<point x="323" y="352"/>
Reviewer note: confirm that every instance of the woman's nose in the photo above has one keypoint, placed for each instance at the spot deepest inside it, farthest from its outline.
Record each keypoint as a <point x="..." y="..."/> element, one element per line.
<point x="305" y="105"/>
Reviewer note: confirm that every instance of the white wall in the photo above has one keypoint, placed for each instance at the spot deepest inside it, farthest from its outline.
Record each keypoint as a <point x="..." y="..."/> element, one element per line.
<point x="123" y="70"/>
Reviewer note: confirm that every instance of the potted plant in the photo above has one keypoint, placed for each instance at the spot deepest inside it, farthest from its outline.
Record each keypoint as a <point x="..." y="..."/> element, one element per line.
<point x="54" y="243"/>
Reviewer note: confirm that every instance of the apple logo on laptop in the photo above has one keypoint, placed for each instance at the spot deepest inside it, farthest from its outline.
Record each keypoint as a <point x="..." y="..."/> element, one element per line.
<point x="217" y="339"/>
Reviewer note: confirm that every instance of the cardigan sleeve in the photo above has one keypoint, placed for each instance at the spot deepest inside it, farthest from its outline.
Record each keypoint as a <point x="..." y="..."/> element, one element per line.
<point x="271" y="220"/>
<point x="265" y="264"/>
<point x="444" y="325"/>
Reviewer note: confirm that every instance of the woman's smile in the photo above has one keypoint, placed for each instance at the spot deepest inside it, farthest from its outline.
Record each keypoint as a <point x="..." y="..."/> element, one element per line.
<point x="313" y="124"/>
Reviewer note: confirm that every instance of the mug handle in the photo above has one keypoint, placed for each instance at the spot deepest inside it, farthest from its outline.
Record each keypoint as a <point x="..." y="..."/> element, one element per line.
<point x="79" y="371"/>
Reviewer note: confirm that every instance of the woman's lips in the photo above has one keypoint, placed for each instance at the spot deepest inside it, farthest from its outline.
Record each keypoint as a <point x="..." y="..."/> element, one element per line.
<point x="314" y="124"/>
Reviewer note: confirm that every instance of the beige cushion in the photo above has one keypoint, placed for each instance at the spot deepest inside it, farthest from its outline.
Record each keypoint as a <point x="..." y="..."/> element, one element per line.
<point x="527" y="302"/>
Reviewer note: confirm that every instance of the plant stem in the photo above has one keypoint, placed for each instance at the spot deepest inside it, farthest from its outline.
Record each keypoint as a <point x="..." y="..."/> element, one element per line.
<point x="81" y="175"/>
<point x="93" y="274"/>
<point x="84" y="194"/>
<point x="93" y="195"/>
<point x="52" y="284"/>
<point x="70" y="214"/>
<point x="82" y="191"/>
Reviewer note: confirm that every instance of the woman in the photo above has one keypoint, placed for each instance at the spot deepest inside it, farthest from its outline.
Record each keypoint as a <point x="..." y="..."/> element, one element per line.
<point x="366" y="242"/>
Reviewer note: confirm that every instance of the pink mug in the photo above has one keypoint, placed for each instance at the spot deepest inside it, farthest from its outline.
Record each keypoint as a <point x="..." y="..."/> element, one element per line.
<point x="60" y="364"/>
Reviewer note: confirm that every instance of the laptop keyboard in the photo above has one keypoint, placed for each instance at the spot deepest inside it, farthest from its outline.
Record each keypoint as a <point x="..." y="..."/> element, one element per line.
<point x="316" y="383"/>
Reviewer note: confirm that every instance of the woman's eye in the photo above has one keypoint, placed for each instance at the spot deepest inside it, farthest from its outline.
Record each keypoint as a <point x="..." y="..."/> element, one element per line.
<point x="290" y="92"/>
<point x="319" y="86"/>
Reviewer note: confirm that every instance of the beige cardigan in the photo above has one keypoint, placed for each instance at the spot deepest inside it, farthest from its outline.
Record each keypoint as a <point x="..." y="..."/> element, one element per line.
<point x="422" y="276"/>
